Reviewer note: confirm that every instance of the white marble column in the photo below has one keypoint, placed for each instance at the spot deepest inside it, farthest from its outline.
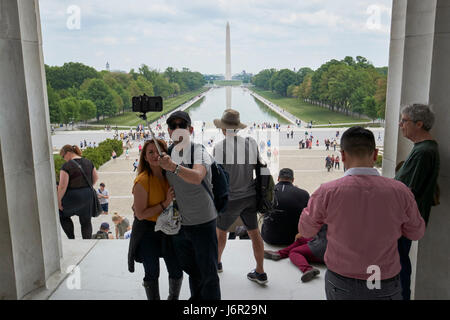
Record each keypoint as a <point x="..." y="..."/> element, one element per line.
<point x="418" y="72"/>
<point x="29" y="229"/>
<point x="433" y="257"/>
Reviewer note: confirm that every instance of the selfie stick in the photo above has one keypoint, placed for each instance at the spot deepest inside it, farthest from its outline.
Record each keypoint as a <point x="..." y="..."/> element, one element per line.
<point x="144" y="117"/>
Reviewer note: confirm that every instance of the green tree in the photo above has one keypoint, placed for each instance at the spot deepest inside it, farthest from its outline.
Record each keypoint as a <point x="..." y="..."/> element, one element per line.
<point x="281" y="80"/>
<point x="101" y="95"/>
<point x="262" y="79"/>
<point x="53" y="104"/>
<point x="88" y="110"/>
<point x="69" y="110"/>
<point x="71" y="74"/>
<point x="144" y="86"/>
<point x="370" y="108"/>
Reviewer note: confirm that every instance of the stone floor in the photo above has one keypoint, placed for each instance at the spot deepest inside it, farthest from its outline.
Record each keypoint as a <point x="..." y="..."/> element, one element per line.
<point x="103" y="274"/>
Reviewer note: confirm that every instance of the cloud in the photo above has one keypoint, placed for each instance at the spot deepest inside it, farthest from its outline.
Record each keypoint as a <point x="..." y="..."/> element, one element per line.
<point x="177" y="33"/>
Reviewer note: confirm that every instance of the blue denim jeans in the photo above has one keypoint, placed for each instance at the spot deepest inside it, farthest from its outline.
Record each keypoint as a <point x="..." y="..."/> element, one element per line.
<point x="338" y="287"/>
<point x="197" y="253"/>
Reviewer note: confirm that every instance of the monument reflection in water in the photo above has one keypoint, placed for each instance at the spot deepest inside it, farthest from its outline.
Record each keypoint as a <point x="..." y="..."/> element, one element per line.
<point x="217" y="100"/>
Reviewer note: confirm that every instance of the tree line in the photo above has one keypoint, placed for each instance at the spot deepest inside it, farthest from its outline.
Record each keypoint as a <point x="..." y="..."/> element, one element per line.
<point x="77" y="92"/>
<point x="349" y="85"/>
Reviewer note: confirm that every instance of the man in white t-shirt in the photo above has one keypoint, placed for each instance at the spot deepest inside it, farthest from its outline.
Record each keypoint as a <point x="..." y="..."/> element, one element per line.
<point x="103" y="197"/>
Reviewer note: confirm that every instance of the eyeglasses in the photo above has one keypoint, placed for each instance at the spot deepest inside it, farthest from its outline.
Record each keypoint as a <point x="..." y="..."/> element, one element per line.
<point x="402" y="121"/>
<point x="181" y="125"/>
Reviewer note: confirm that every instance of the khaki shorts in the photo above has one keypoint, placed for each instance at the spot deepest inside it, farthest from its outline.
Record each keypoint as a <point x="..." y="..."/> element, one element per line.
<point x="244" y="208"/>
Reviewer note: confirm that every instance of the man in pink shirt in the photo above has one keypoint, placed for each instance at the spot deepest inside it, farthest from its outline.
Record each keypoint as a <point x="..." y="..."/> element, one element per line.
<point x="366" y="214"/>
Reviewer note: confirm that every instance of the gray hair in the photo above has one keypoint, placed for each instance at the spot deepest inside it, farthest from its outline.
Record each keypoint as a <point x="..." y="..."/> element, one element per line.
<point x="420" y="112"/>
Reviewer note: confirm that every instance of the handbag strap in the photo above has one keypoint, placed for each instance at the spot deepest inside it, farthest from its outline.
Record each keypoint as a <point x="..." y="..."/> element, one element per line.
<point x="82" y="172"/>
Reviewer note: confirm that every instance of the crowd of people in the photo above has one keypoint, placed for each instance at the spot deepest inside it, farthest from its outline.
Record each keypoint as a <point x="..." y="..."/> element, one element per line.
<point x="350" y="225"/>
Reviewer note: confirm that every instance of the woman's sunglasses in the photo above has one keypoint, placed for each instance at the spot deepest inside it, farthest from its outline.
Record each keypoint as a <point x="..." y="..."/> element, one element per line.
<point x="174" y="125"/>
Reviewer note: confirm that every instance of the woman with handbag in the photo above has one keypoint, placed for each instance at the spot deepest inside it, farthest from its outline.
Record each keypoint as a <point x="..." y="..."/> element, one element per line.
<point x="152" y="194"/>
<point x="75" y="196"/>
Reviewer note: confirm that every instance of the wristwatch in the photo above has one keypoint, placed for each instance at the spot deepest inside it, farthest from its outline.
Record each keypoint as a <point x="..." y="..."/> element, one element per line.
<point x="177" y="169"/>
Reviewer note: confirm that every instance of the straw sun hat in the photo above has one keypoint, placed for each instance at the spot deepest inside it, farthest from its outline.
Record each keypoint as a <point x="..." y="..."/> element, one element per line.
<point x="230" y="120"/>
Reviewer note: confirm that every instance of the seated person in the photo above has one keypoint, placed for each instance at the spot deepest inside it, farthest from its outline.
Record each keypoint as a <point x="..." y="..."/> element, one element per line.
<point x="280" y="228"/>
<point x="303" y="251"/>
<point x="103" y="233"/>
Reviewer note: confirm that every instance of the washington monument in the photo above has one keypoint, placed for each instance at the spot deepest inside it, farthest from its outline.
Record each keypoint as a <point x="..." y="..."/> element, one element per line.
<point x="228" y="55"/>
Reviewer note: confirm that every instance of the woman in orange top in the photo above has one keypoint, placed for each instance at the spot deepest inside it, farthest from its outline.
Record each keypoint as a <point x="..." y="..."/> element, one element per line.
<point x="152" y="194"/>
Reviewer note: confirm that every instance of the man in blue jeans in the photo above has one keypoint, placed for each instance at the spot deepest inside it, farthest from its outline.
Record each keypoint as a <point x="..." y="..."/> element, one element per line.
<point x="196" y="243"/>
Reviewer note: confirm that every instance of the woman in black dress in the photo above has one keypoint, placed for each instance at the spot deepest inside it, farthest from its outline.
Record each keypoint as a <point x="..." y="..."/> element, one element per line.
<point x="74" y="191"/>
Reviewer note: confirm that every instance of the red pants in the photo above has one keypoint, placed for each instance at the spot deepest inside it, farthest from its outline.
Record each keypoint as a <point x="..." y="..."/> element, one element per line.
<point x="299" y="253"/>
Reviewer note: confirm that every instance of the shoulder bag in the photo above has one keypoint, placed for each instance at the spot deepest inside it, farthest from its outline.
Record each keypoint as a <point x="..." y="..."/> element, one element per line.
<point x="97" y="208"/>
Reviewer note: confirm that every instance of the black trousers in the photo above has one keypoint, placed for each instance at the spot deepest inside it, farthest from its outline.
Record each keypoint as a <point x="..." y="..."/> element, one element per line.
<point x="196" y="250"/>
<point x="85" y="222"/>
<point x="404" y="245"/>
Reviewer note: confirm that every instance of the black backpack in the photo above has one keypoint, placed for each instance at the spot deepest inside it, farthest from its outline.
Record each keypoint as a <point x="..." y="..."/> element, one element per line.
<point x="100" y="235"/>
<point x="220" y="182"/>
<point x="265" y="190"/>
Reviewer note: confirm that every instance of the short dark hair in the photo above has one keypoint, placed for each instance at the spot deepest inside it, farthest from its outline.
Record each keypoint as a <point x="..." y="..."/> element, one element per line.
<point x="102" y="184"/>
<point x="358" y="142"/>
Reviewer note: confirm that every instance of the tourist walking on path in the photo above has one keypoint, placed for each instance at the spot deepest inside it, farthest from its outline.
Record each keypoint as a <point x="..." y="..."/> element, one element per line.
<point x="419" y="172"/>
<point x="337" y="162"/>
<point x="302" y="252"/>
<point x="152" y="194"/>
<point x="74" y="192"/>
<point x="103" y="197"/>
<point x="135" y="165"/>
<point x="366" y="214"/>
<point x="196" y="242"/>
<point x="122" y="225"/>
<point x="242" y="199"/>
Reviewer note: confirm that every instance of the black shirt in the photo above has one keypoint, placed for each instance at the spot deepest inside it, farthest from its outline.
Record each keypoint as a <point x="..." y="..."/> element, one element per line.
<point x="281" y="228"/>
<point x="76" y="179"/>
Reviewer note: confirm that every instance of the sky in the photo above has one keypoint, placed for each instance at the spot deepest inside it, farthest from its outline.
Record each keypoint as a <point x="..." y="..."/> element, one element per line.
<point x="191" y="33"/>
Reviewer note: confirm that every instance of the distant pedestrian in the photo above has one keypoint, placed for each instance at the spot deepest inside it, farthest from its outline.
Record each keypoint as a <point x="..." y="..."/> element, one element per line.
<point x="336" y="162"/>
<point x="135" y="165"/>
<point x="103" y="197"/>
<point x="122" y="225"/>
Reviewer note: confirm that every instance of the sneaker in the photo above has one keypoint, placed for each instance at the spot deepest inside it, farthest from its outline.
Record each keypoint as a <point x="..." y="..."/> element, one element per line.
<point x="261" y="278"/>
<point x="219" y="267"/>
<point x="310" y="274"/>
<point x="273" y="255"/>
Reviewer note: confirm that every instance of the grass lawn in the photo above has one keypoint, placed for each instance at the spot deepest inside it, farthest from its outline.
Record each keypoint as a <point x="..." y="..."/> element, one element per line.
<point x="305" y="111"/>
<point x="131" y="119"/>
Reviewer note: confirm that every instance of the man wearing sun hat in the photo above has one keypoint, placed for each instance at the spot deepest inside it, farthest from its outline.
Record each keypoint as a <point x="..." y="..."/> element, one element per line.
<point x="239" y="157"/>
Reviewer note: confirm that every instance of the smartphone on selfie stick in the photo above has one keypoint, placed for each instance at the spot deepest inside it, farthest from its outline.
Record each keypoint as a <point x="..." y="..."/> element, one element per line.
<point x="144" y="104"/>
